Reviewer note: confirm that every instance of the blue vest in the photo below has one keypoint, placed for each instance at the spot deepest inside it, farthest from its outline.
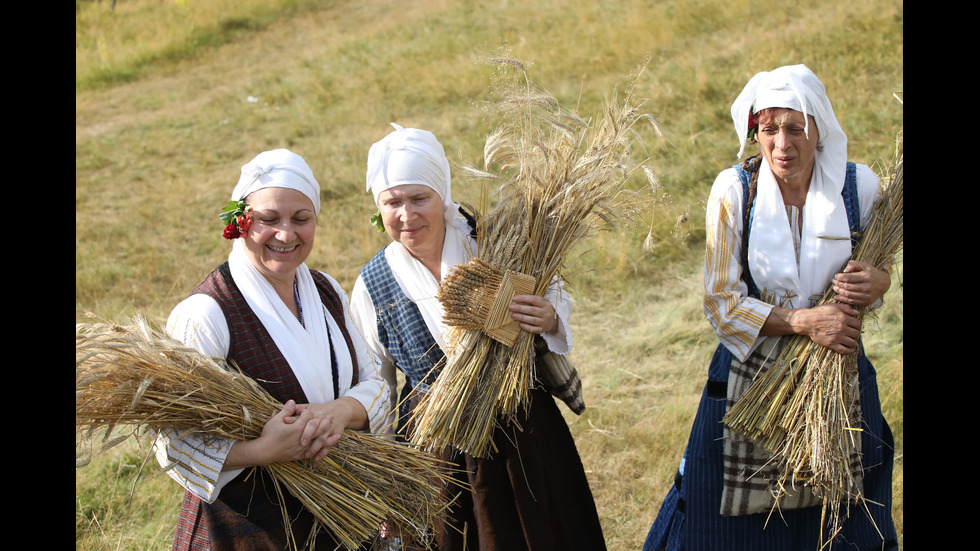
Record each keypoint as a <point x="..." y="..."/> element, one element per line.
<point x="851" y="206"/>
<point x="402" y="331"/>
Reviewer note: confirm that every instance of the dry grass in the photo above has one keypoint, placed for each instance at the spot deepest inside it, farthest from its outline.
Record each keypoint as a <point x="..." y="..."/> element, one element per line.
<point x="136" y="378"/>
<point x="560" y="179"/>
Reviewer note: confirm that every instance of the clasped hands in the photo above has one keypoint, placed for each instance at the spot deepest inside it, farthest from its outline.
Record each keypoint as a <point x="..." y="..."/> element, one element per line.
<point x="297" y="431"/>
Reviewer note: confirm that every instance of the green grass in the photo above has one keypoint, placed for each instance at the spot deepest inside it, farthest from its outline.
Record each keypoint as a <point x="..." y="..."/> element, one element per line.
<point x="171" y="98"/>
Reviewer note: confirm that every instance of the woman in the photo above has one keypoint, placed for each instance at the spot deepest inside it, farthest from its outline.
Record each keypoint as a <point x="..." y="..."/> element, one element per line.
<point x="766" y="220"/>
<point x="533" y="493"/>
<point x="288" y="327"/>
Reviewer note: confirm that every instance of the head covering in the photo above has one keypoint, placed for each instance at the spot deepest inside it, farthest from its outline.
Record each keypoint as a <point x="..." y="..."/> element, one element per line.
<point x="278" y="168"/>
<point x="410" y="156"/>
<point x="795" y="87"/>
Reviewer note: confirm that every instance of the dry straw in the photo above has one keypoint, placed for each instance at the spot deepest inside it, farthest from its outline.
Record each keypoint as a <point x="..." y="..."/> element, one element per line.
<point x="560" y="178"/>
<point x="138" y="379"/>
<point x="805" y="409"/>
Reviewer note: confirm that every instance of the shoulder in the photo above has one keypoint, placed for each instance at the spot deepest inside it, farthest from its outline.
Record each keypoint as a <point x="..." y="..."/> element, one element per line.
<point x="199" y="322"/>
<point x="727" y="184"/>
<point x="324" y="278"/>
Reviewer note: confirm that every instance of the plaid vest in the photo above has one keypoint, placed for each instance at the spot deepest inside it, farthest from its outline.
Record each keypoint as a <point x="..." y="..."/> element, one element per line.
<point x="248" y="516"/>
<point x="402" y="331"/>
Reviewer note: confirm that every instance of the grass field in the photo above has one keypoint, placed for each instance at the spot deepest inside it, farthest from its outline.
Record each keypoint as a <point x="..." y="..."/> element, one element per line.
<point x="171" y="98"/>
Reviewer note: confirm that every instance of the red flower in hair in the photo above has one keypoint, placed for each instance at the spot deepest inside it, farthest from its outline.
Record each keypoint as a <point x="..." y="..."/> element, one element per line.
<point x="237" y="218"/>
<point x="753" y="127"/>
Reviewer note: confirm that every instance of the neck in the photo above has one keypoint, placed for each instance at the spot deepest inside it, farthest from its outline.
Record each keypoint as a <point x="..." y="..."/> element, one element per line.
<point x="794" y="190"/>
<point x="284" y="289"/>
<point x="430" y="257"/>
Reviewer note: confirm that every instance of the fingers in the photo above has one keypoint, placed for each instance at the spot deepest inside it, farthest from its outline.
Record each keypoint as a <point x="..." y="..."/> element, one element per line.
<point x="533" y="313"/>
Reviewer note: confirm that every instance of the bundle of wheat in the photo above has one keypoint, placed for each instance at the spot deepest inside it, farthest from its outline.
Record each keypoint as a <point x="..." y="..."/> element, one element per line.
<point x="804" y="409"/>
<point x="138" y="379"/>
<point x="560" y="179"/>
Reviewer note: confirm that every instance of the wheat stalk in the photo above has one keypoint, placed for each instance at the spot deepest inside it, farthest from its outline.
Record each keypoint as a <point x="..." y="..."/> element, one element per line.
<point x="137" y="378"/>
<point x="560" y="178"/>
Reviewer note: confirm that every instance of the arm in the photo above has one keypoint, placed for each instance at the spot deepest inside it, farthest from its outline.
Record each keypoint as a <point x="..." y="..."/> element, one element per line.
<point x="736" y="317"/>
<point x="365" y="324"/>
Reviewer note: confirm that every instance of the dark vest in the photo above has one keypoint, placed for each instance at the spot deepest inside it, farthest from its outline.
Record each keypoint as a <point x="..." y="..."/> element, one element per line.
<point x="247" y="515"/>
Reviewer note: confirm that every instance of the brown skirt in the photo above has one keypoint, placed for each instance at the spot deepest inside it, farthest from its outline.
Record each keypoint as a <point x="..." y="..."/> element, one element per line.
<point x="531" y="494"/>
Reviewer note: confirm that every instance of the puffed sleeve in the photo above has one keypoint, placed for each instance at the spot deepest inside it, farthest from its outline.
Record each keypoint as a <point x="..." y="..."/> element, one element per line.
<point x="560" y="341"/>
<point x="365" y="320"/>
<point x="736" y="317"/>
<point x="199" y="323"/>
<point x="372" y="389"/>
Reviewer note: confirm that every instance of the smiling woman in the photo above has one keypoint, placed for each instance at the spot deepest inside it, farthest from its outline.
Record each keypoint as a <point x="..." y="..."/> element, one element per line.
<point x="287" y="327"/>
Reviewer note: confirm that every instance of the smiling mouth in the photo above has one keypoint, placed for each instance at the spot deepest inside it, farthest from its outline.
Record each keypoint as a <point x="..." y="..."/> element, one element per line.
<point x="282" y="250"/>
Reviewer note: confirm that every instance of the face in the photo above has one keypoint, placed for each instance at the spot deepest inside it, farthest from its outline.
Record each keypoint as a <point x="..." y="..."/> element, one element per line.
<point x="412" y="214"/>
<point x="282" y="231"/>
<point x="787" y="148"/>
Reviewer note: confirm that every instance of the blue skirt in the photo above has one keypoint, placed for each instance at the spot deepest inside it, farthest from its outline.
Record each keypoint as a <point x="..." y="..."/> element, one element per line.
<point x="690" y="517"/>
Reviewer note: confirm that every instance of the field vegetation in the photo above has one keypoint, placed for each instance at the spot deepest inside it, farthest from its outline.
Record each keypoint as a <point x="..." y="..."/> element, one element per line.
<point x="172" y="97"/>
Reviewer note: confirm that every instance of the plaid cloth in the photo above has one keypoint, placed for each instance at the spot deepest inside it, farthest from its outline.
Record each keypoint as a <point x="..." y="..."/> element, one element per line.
<point x="750" y="474"/>
<point x="402" y="331"/>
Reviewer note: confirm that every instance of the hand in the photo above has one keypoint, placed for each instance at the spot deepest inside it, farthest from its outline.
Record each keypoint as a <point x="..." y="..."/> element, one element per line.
<point x="860" y="284"/>
<point x="279" y="441"/>
<point x="835" y="326"/>
<point x="534" y="314"/>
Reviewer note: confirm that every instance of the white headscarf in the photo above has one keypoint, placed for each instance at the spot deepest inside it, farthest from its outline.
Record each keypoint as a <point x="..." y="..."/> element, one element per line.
<point x="306" y="347"/>
<point x="411" y="156"/>
<point x="772" y="259"/>
<point x="278" y="168"/>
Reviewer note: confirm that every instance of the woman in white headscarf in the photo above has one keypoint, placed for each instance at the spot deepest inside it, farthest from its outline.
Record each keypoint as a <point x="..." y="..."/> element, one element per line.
<point x="289" y="328"/>
<point x="768" y="261"/>
<point x="533" y="493"/>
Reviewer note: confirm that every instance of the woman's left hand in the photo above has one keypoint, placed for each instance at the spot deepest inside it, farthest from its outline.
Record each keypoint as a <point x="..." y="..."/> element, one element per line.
<point x="860" y="284"/>
<point x="534" y="314"/>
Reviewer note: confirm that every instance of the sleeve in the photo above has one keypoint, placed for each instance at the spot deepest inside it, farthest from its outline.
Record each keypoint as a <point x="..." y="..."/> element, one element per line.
<point x="736" y="317"/>
<point x="559" y="342"/>
<point x="372" y="389"/>
<point x="194" y="462"/>
<point x="365" y="321"/>
<point x="868" y="192"/>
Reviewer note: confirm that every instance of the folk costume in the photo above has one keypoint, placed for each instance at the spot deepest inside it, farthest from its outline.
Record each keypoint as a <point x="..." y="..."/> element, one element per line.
<point x="236" y="314"/>
<point x="533" y="493"/>
<point x="721" y="498"/>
